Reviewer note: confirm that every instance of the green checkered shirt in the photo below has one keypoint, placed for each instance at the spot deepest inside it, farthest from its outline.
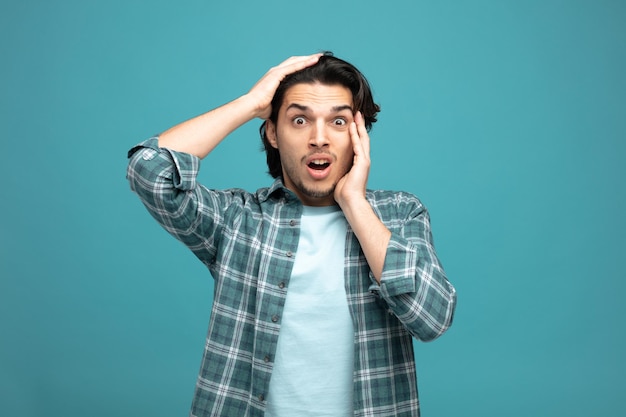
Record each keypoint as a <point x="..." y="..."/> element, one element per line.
<point x="248" y="241"/>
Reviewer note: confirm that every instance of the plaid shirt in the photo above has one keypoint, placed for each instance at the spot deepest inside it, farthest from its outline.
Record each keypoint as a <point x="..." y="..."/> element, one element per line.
<point x="248" y="241"/>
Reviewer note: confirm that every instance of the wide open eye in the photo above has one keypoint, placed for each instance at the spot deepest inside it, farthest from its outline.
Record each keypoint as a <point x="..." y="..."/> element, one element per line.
<point x="340" y="121"/>
<point x="299" y="120"/>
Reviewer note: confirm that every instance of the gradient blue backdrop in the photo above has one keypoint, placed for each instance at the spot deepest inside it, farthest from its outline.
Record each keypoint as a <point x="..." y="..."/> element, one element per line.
<point x="508" y="119"/>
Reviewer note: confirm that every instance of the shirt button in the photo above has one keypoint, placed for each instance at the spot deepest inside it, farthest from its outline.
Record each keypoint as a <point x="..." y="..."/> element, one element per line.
<point x="266" y="359"/>
<point x="261" y="397"/>
<point x="275" y="318"/>
<point x="292" y="222"/>
<point x="289" y="254"/>
<point x="281" y="285"/>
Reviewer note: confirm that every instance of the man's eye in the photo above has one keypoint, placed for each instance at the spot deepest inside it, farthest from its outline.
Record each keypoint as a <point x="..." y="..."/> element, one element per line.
<point x="340" y="122"/>
<point x="299" y="121"/>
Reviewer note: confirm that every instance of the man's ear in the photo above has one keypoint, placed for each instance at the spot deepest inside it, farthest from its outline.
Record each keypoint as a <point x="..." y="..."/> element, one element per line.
<point x="270" y="131"/>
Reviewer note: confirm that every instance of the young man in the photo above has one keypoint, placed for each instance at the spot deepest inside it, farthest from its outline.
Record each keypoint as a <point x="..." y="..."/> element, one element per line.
<point x="319" y="282"/>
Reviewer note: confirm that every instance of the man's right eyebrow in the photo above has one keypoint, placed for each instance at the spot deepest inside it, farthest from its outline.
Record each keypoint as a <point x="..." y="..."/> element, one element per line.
<point x="297" y="106"/>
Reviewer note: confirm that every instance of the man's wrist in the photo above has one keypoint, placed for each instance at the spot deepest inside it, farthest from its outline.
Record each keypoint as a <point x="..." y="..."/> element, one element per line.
<point x="353" y="202"/>
<point x="248" y="107"/>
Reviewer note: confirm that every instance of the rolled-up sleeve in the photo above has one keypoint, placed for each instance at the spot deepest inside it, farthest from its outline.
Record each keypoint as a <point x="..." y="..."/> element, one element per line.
<point x="413" y="283"/>
<point x="166" y="184"/>
<point x="150" y="165"/>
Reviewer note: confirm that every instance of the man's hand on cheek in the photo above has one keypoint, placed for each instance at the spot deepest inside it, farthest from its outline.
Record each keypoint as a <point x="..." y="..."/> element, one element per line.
<point x="353" y="185"/>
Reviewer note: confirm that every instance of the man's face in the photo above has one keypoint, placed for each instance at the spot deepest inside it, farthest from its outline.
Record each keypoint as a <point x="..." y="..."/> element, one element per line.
<point x="313" y="139"/>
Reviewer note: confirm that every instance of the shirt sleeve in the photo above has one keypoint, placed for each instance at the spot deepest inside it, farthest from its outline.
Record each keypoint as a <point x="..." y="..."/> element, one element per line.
<point x="166" y="184"/>
<point x="413" y="283"/>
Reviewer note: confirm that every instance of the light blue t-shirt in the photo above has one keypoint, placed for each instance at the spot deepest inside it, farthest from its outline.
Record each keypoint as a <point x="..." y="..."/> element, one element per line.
<point x="312" y="373"/>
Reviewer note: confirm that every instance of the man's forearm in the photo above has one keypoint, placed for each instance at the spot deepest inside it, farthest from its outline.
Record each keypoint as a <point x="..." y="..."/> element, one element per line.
<point x="200" y="135"/>
<point x="372" y="234"/>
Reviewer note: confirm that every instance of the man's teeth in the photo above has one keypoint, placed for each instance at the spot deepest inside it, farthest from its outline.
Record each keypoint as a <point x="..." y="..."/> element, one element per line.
<point x="319" y="164"/>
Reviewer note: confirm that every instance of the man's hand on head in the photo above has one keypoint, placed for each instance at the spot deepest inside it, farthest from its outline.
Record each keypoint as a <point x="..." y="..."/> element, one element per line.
<point x="201" y="134"/>
<point x="263" y="91"/>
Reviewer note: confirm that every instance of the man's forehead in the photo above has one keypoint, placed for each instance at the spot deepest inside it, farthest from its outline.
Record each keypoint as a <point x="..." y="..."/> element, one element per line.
<point x="317" y="95"/>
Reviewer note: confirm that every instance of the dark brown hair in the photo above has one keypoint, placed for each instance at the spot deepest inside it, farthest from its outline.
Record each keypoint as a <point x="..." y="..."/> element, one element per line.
<point x="329" y="70"/>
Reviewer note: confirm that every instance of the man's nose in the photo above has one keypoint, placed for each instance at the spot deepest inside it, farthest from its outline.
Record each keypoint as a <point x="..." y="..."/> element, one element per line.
<point x="319" y="137"/>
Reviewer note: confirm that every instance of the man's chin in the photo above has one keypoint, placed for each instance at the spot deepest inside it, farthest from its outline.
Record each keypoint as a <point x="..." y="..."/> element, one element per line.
<point x="318" y="193"/>
<point x="321" y="195"/>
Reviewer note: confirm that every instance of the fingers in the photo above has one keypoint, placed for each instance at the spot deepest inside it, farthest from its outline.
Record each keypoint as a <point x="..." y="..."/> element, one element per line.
<point x="263" y="91"/>
<point x="303" y="61"/>
<point x="360" y="137"/>
<point x="365" y="137"/>
<point x="294" y="64"/>
<point x="355" y="181"/>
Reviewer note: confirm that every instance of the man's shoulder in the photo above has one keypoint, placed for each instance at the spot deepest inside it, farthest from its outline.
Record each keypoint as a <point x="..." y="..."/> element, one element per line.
<point x="244" y="196"/>
<point x="258" y="197"/>
<point x="391" y="204"/>
<point x="391" y="197"/>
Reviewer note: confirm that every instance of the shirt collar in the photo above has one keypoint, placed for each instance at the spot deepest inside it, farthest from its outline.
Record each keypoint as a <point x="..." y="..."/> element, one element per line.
<point x="279" y="189"/>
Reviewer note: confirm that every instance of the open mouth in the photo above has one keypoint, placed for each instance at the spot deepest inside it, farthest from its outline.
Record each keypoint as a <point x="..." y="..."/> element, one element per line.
<point x="319" y="164"/>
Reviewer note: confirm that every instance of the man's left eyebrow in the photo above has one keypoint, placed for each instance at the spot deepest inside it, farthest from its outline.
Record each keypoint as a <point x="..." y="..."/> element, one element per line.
<point x="337" y="109"/>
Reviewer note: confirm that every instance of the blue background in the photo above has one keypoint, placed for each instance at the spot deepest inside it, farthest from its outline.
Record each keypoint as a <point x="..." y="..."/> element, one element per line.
<point x="507" y="118"/>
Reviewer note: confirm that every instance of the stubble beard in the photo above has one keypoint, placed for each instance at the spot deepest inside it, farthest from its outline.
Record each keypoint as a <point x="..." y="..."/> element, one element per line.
<point x="291" y="172"/>
<point x="310" y="192"/>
